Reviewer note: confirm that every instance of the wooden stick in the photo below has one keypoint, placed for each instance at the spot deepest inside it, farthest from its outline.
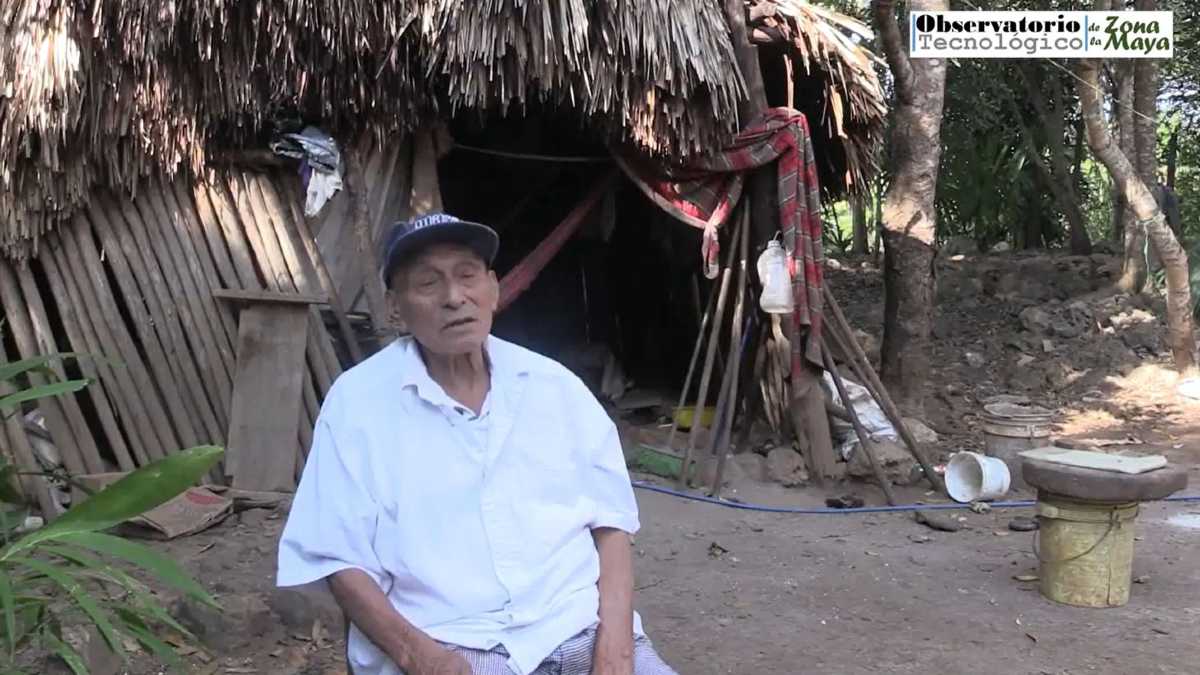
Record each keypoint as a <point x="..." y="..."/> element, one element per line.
<point x="160" y="435"/>
<point x="266" y="247"/>
<point x="327" y="283"/>
<point x="225" y="211"/>
<point x="197" y="241"/>
<point x="864" y="438"/>
<point x="854" y="350"/>
<point x="736" y="351"/>
<point x="20" y="327"/>
<point x="88" y="450"/>
<point x="305" y="277"/>
<point x="709" y="357"/>
<point x="208" y="225"/>
<point x="194" y="294"/>
<point x="837" y="411"/>
<point x="34" y="486"/>
<point x="161" y="287"/>
<point x="82" y="338"/>
<point x="356" y="193"/>
<point x="687" y="381"/>
<point x="151" y="326"/>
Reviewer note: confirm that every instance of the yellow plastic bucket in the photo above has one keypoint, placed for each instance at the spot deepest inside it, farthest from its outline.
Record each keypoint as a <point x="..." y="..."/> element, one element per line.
<point x="1085" y="551"/>
<point x="685" y="417"/>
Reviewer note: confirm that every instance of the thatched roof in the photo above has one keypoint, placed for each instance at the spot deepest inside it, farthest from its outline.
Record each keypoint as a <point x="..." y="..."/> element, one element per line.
<point x="830" y="47"/>
<point x="106" y="92"/>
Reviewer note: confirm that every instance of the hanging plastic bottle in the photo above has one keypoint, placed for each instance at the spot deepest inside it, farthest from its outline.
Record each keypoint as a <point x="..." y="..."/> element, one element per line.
<point x="777" y="283"/>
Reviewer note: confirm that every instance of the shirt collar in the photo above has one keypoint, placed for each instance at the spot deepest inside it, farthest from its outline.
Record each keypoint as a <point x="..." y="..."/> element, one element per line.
<point x="505" y="362"/>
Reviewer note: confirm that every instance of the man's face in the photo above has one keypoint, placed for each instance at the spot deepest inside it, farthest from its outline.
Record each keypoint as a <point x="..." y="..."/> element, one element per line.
<point x="446" y="298"/>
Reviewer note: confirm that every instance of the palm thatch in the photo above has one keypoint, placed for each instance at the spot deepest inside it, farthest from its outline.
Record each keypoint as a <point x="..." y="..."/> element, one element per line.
<point x="109" y="92"/>
<point x="830" y="47"/>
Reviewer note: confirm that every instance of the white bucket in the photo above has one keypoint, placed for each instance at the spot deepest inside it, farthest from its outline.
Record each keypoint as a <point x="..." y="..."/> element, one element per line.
<point x="972" y="477"/>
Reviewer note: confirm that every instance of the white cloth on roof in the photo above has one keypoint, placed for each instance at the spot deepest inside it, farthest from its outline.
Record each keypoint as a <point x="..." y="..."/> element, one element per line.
<point x="477" y="528"/>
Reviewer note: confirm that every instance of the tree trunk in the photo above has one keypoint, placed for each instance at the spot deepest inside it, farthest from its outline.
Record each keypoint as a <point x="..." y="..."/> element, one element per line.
<point x="1172" y="157"/>
<point x="858" y="216"/>
<point x="1141" y="201"/>
<point x="1133" y="274"/>
<point x="909" y="216"/>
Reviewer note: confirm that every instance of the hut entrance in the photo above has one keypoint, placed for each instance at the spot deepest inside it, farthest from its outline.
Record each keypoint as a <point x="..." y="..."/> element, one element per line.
<point x="619" y="303"/>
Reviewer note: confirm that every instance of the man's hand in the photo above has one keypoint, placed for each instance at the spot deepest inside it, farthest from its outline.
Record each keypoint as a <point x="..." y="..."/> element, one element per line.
<point x="613" y="654"/>
<point x="436" y="660"/>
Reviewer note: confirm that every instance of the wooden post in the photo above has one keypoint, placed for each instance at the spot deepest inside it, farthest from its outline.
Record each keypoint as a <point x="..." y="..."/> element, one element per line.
<point x="268" y="389"/>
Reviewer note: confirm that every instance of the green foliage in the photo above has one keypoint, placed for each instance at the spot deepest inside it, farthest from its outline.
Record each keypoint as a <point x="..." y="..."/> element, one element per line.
<point x="70" y="572"/>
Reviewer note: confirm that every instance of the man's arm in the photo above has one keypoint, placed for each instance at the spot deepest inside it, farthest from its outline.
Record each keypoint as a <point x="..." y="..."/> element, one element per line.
<point x="368" y="608"/>
<point x="614" y="637"/>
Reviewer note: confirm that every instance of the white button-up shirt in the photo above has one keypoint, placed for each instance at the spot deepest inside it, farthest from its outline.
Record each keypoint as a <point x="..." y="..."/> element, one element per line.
<point x="477" y="528"/>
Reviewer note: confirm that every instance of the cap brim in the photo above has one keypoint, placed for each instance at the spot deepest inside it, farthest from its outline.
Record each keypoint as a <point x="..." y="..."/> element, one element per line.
<point x="479" y="238"/>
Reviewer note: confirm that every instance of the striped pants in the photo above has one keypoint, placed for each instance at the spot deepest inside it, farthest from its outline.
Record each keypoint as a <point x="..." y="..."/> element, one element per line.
<point x="573" y="657"/>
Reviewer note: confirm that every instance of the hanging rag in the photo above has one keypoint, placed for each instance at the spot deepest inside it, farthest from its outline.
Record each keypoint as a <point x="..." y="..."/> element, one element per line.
<point x="320" y="165"/>
<point x="703" y="193"/>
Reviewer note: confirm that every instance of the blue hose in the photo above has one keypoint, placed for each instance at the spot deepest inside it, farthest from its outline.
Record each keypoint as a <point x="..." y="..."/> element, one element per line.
<point x="817" y="511"/>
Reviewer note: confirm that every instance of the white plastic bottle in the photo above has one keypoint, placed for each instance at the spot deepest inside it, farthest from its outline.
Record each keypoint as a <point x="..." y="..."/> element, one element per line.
<point x="777" y="283"/>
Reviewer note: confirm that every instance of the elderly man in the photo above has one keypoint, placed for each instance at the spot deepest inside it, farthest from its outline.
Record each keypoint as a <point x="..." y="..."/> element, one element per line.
<point x="465" y="498"/>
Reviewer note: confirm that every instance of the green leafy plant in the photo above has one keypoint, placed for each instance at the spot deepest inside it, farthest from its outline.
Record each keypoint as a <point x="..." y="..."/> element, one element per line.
<point x="72" y="573"/>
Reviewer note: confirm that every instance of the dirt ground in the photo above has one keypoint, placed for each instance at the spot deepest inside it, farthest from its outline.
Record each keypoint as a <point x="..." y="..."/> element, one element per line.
<point x="723" y="590"/>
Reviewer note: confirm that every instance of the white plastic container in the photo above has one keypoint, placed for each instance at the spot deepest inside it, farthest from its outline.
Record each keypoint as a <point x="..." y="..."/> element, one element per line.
<point x="972" y="477"/>
<point x="777" y="283"/>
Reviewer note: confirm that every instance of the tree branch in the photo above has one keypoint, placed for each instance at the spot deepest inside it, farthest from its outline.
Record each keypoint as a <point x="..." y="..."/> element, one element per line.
<point x="893" y="47"/>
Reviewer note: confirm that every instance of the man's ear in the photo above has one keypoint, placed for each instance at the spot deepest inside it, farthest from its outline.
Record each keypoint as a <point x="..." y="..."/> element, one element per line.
<point x="395" y="317"/>
<point x="496" y="296"/>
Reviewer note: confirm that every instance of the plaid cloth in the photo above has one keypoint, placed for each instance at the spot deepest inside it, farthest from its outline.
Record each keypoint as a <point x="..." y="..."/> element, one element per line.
<point x="704" y="192"/>
<point x="573" y="657"/>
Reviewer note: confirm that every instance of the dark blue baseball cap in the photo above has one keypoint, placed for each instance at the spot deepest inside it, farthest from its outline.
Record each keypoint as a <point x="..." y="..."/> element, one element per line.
<point x="407" y="238"/>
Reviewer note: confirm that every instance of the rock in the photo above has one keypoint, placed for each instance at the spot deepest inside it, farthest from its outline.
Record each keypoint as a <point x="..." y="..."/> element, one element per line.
<point x="733" y="471"/>
<point x="299" y="607"/>
<point x="1143" y="337"/>
<point x="944" y="326"/>
<point x="1071" y="285"/>
<point x="833" y="264"/>
<point x="753" y="465"/>
<point x="920" y="431"/>
<point x="1036" y="320"/>
<point x="1009" y="284"/>
<point x="974" y="359"/>
<point x="210" y="626"/>
<point x="98" y="657"/>
<point x="896" y="461"/>
<point x="1002" y="247"/>
<point x="868" y="342"/>
<point x="1035" y="287"/>
<point x="1026" y="379"/>
<point x="1025" y="360"/>
<point x="786" y="466"/>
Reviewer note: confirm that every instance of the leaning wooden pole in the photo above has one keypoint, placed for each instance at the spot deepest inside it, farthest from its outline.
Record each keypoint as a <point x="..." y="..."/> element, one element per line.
<point x="737" y="353"/>
<point x="709" y="357"/>
<point x="864" y="438"/>
<point x="853" y="351"/>
<point x="687" y="380"/>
